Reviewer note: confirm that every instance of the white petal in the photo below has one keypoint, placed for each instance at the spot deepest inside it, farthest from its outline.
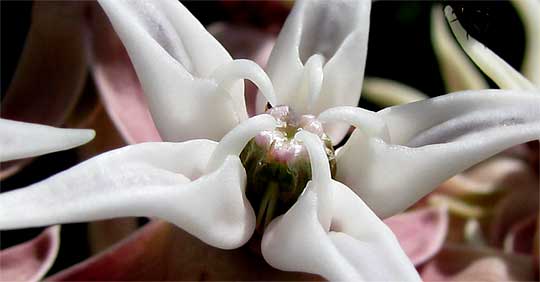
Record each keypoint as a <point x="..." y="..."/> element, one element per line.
<point x="321" y="41"/>
<point x="151" y="179"/>
<point x="529" y="11"/>
<point x="431" y="141"/>
<point x="386" y="92"/>
<point x="503" y="74"/>
<point x="175" y="57"/>
<point x="358" y="247"/>
<point x="21" y="139"/>
<point x="457" y="70"/>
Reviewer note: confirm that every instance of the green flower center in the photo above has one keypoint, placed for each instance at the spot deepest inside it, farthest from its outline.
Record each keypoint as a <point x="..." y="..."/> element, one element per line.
<point x="278" y="166"/>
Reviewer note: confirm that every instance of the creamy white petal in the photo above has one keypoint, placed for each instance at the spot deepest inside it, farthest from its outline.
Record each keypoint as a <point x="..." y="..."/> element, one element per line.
<point x="22" y="140"/>
<point x="357" y="247"/>
<point x="529" y="11"/>
<point x="503" y="74"/>
<point x="386" y="92"/>
<point x="164" y="180"/>
<point x="330" y="232"/>
<point x="457" y="70"/>
<point x="175" y="57"/>
<point x="432" y="140"/>
<point x="319" y="57"/>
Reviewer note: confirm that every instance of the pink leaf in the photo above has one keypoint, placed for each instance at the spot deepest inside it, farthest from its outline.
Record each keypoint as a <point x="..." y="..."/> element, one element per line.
<point x="31" y="260"/>
<point x="160" y="251"/>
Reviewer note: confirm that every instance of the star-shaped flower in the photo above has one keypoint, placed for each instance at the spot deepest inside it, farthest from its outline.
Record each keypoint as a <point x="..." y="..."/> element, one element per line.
<point x="330" y="227"/>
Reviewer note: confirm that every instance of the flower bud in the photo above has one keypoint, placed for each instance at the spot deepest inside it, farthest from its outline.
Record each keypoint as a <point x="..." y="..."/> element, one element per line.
<point x="278" y="166"/>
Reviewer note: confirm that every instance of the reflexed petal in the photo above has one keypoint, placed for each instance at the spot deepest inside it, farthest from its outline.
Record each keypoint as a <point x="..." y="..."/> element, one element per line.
<point x="151" y="179"/>
<point x="319" y="57"/>
<point x="30" y="261"/>
<point x="21" y="140"/>
<point x="458" y="72"/>
<point x="431" y="141"/>
<point x="529" y="11"/>
<point x="349" y="251"/>
<point x="386" y="92"/>
<point x="503" y="74"/>
<point x="421" y="233"/>
<point x="175" y="59"/>
<point x="466" y="263"/>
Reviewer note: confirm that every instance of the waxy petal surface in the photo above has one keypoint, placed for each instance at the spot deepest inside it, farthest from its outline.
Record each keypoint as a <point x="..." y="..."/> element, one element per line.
<point x="175" y="57"/>
<point x="432" y="140"/>
<point x="117" y="82"/>
<point x="349" y="250"/>
<point x="31" y="260"/>
<point x="319" y="57"/>
<point x="162" y="180"/>
<point x="21" y="140"/>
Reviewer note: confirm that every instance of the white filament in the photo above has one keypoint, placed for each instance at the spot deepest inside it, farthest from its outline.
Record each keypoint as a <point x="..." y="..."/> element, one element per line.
<point x="234" y="142"/>
<point x="226" y="75"/>
<point x="367" y="121"/>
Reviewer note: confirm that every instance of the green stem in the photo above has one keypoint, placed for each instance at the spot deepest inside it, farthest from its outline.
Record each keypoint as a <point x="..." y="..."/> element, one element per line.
<point x="268" y="204"/>
<point x="273" y="189"/>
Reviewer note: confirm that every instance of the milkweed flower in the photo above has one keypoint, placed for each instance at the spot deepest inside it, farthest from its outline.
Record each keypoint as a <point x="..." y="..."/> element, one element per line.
<point x="318" y="211"/>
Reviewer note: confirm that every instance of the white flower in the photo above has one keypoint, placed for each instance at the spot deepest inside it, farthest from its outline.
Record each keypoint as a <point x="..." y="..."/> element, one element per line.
<point x="194" y="90"/>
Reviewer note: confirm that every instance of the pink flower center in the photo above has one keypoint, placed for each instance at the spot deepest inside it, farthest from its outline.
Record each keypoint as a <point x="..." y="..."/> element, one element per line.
<point x="277" y="165"/>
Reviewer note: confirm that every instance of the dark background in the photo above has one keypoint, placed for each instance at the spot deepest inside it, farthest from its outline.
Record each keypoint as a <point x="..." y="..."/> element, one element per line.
<point x="399" y="49"/>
